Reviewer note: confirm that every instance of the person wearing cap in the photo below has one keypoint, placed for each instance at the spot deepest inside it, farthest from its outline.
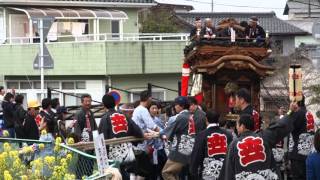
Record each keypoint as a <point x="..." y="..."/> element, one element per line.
<point x="210" y="150"/>
<point x="181" y="134"/>
<point x="30" y="127"/>
<point x="250" y="155"/>
<point x="254" y="31"/>
<point x="196" y="30"/>
<point x="208" y="32"/>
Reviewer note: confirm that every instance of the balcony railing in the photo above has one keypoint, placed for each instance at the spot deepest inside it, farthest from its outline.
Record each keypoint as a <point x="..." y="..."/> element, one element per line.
<point x="102" y="37"/>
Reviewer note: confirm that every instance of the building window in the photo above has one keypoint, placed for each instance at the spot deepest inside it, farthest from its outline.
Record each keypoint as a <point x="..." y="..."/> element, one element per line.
<point x="67" y="85"/>
<point x="80" y="85"/>
<point x="53" y="95"/>
<point x="37" y="85"/>
<point x="115" y="29"/>
<point x="157" y="94"/>
<point x="25" y="85"/>
<point x="52" y="85"/>
<point x="12" y="85"/>
<point x="278" y="47"/>
<point x="78" y="100"/>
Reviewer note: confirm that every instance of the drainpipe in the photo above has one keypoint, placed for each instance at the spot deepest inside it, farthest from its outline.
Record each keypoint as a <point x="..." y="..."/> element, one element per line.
<point x="30" y="30"/>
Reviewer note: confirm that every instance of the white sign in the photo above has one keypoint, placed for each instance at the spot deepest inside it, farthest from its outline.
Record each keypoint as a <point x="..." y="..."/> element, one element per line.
<point x="101" y="152"/>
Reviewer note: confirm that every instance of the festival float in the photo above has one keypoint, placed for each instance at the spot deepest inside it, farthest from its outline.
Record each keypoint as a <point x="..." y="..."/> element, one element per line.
<point x="221" y="66"/>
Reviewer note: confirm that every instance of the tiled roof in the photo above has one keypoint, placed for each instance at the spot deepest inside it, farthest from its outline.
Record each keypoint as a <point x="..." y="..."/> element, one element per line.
<point x="268" y="21"/>
<point x="82" y="3"/>
<point x="301" y="7"/>
<point x="116" y="1"/>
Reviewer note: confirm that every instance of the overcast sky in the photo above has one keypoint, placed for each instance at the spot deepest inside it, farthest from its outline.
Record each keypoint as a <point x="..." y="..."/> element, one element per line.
<point x="237" y="5"/>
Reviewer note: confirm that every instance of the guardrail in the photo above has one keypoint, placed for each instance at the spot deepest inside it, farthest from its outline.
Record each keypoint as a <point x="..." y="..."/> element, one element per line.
<point x="102" y="37"/>
<point x="79" y="163"/>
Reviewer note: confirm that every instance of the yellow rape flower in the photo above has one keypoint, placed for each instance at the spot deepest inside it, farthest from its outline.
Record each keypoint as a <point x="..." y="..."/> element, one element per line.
<point x="70" y="140"/>
<point x="5" y="155"/>
<point x="29" y="149"/>
<point x="24" y="177"/>
<point x="17" y="164"/>
<point x="25" y="150"/>
<point x="56" y="148"/>
<point x="5" y="133"/>
<point x="41" y="146"/>
<point x="14" y="154"/>
<point x="37" y="173"/>
<point x="63" y="160"/>
<point x="7" y="175"/>
<point x="69" y="156"/>
<point x="69" y="177"/>
<point x="6" y="147"/>
<point x="58" y="140"/>
<point x="49" y="160"/>
<point x="44" y="132"/>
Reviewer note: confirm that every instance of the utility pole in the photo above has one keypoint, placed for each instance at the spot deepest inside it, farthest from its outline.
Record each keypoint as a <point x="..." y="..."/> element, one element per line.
<point x="212" y="5"/>
<point x="40" y="27"/>
<point x="309" y="9"/>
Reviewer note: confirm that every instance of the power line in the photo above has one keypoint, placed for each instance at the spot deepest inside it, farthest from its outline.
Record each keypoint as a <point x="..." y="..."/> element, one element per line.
<point x="230" y="5"/>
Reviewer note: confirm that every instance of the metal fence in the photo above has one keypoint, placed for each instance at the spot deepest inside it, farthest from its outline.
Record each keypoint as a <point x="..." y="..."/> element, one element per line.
<point x="51" y="158"/>
<point x="104" y="37"/>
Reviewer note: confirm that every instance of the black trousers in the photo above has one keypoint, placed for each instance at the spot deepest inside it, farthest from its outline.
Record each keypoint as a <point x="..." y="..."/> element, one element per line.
<point x="298" y="170"/>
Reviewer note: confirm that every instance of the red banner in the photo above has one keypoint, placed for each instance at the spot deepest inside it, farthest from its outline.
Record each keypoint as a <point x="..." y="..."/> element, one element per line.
<point x="185" y="79"/>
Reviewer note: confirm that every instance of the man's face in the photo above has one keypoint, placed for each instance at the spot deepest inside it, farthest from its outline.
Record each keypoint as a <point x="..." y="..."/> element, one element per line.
<point x="193" y="108"/>
<point x="252" y="23"/>
<point x="86" y="103"/>
<point x="231" y="24"/>
<point x="178" y="108"/>
<point x="198" y="24"/>
<point x="239" y="102"/>
<point x="2" y="92"/>
<point x="209" y="23"/>
<point x="281" y="111"/>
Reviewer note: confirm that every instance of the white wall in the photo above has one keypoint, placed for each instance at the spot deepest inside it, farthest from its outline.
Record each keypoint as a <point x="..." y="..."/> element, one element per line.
<point x="96" y="88"/>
